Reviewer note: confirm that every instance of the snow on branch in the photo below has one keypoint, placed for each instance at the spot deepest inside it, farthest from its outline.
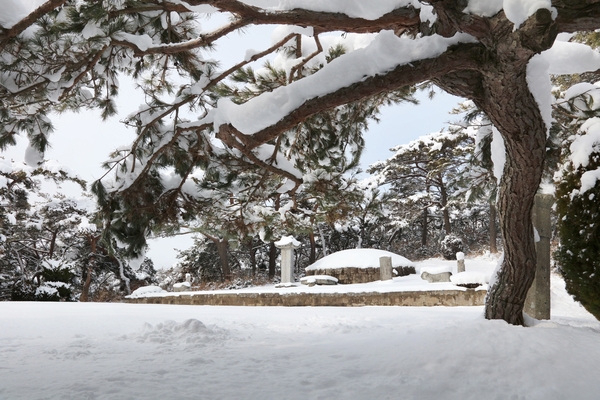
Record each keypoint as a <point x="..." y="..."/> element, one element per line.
<point x="14" y="28"/>
<point x="387" y="63"/>
<point x="141" y="47"/>
<point x="325" y="16"/>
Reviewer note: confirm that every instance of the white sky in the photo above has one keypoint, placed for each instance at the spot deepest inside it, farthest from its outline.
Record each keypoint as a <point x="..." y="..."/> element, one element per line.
<point x="82" y="141"/>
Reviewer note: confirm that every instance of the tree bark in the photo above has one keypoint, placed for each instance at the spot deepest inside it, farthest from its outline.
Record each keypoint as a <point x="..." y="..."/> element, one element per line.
<point x="272" y="259"/>
<point x="85" y="290"/>
<point x="493" y="229"/>
<point x="500" y="88"/>
<point x="222" y="245"/>
<point x="515" y="113"/>
<point x="323" y="241"/>
<point x="313" y="248"/>
<point x="252" y="256"/>
<point x="424" y="229"/>
<point x="445" y="213"/>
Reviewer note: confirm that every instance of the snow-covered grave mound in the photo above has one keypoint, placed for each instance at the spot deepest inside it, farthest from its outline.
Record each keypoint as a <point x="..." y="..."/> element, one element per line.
<point x="144" y="290"/>
<point x="359" y="265"/>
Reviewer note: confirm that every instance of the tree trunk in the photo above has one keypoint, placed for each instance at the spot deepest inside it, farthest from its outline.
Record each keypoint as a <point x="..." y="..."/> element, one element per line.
<point x="222" y="245"/>
<point x="444" y="201"/>
<point x="323" y="242"/>
<point x="272" y="259"/>
<point x="313" y="248"/>
<point x="85" y="290"/>
<point x="425" y="228"/>
<point x="124" y="279"/>
<point x="493" y="229"/>
<point x="52" y="244"/>
<point x="500" y="88"/>
<point x="515" y="113"/>
<point x="252" y="256"/>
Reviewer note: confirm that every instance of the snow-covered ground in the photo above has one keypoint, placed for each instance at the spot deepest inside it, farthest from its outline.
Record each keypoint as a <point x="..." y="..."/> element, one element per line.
<point x="137" y="351"/>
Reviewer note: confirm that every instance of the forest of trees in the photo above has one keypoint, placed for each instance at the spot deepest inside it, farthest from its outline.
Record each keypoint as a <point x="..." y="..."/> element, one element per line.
<point x="244" y="155"/>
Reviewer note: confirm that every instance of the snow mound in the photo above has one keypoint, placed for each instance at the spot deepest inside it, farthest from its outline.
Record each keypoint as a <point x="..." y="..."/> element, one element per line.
<point x="359" y="258"/>
<point x="467" y="277"/>
<point x="191" y="331"/>
<point x="144" y="290"/>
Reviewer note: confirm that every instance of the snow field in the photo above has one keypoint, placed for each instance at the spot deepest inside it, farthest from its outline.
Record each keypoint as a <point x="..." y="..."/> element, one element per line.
<point x="136" y="351"/>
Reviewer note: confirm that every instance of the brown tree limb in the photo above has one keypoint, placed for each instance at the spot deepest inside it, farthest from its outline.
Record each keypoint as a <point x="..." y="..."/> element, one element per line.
<point x="247" y="152"/>
<point x="577" y="15"/>
<point x="29" y="20"/>
<point x="406" y="17"/>
<point x="460" y="57"/>
<point x="302" y="63"/>
<point x="202" y="41"/>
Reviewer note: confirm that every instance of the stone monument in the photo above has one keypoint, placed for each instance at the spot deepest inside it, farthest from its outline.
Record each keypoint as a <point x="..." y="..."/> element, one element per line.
<point x="287" y="244"/>
<point x="385" y="268"/>
<point x="537" y="304"/>
<point x="460" y="262"/>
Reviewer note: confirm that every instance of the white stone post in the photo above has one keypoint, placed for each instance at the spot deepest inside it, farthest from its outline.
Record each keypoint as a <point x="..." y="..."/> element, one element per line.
<point x="385" y="268"/>
<point x="287" y="244"/>
<point x="460" y="262"/>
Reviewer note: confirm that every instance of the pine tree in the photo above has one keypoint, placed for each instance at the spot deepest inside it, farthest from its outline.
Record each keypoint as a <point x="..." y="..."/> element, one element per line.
<point x="422" y="178"/>
<point x="73" y="53"/>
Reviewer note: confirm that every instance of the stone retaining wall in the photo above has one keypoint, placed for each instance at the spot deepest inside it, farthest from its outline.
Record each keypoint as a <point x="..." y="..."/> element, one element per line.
<point x="429" y="298"/>
<point x="350" y="275"/>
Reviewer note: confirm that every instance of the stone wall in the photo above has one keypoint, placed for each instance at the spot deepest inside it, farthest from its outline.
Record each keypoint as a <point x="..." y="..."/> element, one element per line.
<point x="349" y="275"/>
<point x="428" y="298"/>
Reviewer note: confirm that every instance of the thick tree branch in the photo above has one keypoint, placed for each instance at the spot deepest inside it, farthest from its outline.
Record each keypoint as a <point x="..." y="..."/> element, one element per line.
<point x="407" y="17"/>
<point x="246" y="151"/>
<point x="30" y="20"/>
<point x="577" y="15"/>
<point x="461" y="57"/>
<point x="451" y="19"/>
<point x="202" y="41"/>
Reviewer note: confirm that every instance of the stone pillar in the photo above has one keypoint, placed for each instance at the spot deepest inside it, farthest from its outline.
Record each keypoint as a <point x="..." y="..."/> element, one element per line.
<point x="287" y="244"/>
<point x="537" y="304"/>
<point x="385" y="268"/>
<point x="460" y="262"/>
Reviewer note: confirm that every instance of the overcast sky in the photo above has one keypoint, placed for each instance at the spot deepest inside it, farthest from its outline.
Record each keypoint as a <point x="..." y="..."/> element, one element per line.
<point x="82" y="141"/>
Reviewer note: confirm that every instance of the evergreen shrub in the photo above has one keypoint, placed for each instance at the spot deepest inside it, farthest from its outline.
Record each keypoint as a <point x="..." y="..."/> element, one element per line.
<point x="450" y="246"/>
<point x="578" y="256"/>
